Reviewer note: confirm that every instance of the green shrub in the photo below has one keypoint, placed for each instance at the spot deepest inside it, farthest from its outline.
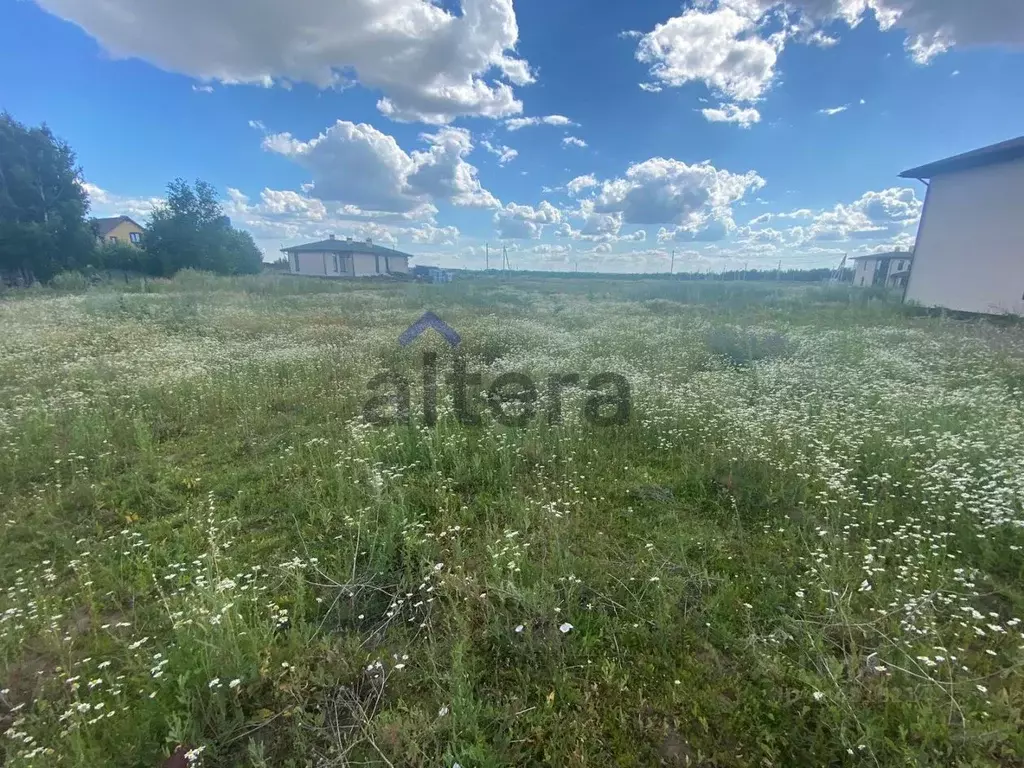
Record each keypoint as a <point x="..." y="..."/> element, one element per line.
<point x="70" y="281"/>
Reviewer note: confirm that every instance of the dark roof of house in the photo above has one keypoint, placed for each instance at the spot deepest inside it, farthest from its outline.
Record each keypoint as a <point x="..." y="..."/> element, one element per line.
<point x="103" y="226"/>
<point x="335" y="245"/>
<point x="890" y="255"/>
<point x="1003" y="152"/>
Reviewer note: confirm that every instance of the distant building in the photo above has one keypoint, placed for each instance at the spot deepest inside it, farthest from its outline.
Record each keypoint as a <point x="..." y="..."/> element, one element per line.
<point x="885" y="269"/>
<point x="970" y="244"/>
<point x="345" y="258"/>
<point x="431" y="274"/>
<point x="117" y="229"/>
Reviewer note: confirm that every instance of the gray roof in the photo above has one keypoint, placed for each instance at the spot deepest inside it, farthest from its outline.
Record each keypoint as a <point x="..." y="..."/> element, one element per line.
<point x="1003" y="152"/>
<point x="103" y="226"/>
<point x="335" y="245"/>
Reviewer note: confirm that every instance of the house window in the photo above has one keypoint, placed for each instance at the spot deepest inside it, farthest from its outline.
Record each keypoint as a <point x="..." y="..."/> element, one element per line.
<point x="112" y="239"/>
<point x="135" y="237"/>
<point x="335" y="262"/>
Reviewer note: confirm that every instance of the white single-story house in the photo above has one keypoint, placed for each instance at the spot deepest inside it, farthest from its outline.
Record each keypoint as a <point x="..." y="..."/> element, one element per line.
<point x="969" y="254"/>
<point x="886" y="269"/>
<point x="345" y="258"/>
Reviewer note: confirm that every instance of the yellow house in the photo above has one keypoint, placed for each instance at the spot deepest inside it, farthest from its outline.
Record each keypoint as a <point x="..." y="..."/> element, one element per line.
<point x="117" y="229"/>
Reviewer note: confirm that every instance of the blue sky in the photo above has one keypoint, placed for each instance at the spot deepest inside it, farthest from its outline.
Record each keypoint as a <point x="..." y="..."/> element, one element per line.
<point x="605" y="133"/>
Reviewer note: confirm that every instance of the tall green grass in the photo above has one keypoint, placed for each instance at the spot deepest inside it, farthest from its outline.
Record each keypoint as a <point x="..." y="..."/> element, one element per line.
<point x="815" y="507"/>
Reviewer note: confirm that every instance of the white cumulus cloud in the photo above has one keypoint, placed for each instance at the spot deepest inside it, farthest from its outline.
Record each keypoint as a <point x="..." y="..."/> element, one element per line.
<point x="668" y="191"/>
<point x="733" y="46"/>
<point x="524" y="222"/>
<point x="286" y="216"/>
<point x="430" y="63"/>
<point x="875" y="215"/>
<point x="442" y="173"/>
<point x="359" y="165"/>
<point x="721" y="48"/>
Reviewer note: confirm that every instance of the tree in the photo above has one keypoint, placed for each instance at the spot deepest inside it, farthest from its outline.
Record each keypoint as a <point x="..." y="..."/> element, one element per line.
<point x="123" y="257"/>
<point x="191" y="231"/>
<point x="42" y="204"/>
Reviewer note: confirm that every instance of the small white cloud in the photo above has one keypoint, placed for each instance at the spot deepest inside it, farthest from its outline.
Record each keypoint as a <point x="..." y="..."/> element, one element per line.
<point x="744" y="117"/>
<point x="503" y="153"/>
<point x="258" y="125"/>
<point x="106" y="203"/>
<point x="955" y="73"/>
<point x="822" y="40"/>
<point x="572" y="141"/>
<point x="516" y="123"/>
<point x="863" y="102"/>
<point x="202" y="88"/>
<point x="580" y="183"/>
<point x="833" y="110"/>
<point x="650" y="87"/>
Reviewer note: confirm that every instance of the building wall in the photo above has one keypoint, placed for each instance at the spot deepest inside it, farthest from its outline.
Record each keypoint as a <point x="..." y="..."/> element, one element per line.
<point x="970" y="247"/>
<point x="897" y="264"/>
<point x="398" y="264"/>
<point x="321" y="264"/>
<point x="864" y="273"/>
<point x="365" y="264"/>
<point x="123" y="233"/>
<point x="311" y="263"/>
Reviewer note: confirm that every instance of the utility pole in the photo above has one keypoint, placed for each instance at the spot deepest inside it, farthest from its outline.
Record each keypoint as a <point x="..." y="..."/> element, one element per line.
<point x="672" y="266"/>
<point x="778" y="271"/>
<point x="487" y="256"/>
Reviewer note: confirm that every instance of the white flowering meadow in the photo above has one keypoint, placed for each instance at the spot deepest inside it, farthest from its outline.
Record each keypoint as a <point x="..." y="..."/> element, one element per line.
<point x="804" y="548"/>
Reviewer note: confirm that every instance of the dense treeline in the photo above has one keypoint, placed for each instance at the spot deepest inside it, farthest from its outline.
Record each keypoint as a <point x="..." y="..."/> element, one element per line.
<point x="43" y="206"/>
<point x="785" y="275"/>
<point x="44" y="229"/>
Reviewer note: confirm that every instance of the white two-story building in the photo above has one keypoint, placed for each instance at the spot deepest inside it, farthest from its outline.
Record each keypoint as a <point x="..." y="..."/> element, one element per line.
<point x="885" y="269"/>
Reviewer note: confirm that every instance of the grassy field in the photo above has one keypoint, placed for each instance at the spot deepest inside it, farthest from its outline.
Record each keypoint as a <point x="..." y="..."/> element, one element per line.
<point x="803" y="549"/>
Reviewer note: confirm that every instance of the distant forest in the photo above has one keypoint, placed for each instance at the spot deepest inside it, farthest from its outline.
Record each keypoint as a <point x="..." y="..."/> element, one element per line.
<point x="749" y="275"/>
